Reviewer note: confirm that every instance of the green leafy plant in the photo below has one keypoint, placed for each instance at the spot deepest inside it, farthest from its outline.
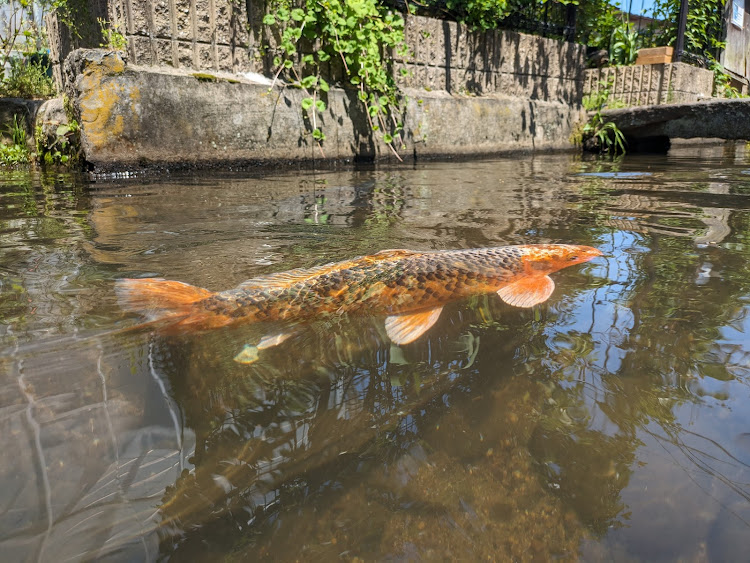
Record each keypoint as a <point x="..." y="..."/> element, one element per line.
<point x="27" y="78"/>
<point x="722" y="82"/>
<point x="624" y="44"/>
<point x="59" y="146"/>
<point x="358" y="35"/>
<point x="479" y="14"/>
<point x="113" y="37"/>
<point x="24" y="68"/>
<point x="16" y="151"/>
<point x="598" y="134"/>
<point x="703" y="32"/>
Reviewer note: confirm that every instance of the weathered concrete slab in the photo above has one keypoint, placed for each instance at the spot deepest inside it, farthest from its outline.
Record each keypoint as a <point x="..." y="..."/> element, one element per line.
<point x="134" y="116"/>
<point x="720" y="118"/>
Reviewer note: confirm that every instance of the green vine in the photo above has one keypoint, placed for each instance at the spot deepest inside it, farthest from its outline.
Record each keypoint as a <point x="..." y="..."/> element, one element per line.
<point x="358" y="34"/>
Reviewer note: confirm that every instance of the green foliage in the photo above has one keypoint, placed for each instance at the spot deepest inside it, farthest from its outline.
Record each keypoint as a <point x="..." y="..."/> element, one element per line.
<point x="705" y="24"/>
<point x="596" y="22"/>
<point x="27" y="79"/>
<point x="703" y="33"/>
<point x="24" y="70"/>
<point x="624" y="44"/>
<point x="598" y="134"/>
<point x="113" y="37"/>
<point x="16" y="152"/>
<point x="61" y="146"/>
<point x="479" y="14"/>
<point x="357" y="33"/>
<point x="722" y="82"/>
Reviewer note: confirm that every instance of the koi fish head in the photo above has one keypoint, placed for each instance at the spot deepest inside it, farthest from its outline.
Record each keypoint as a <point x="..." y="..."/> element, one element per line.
<point x="547" y="258"/>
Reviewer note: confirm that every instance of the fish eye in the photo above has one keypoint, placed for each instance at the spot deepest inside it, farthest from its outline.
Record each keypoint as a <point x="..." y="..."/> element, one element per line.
<point x="574" y="257"/>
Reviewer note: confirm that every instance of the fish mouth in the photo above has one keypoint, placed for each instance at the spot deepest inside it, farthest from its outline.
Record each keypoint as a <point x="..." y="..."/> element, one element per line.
<point x="586" y="253"/>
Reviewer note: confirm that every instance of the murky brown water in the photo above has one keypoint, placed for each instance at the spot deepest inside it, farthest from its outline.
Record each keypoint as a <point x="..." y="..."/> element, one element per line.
<point x="612" y="422"/>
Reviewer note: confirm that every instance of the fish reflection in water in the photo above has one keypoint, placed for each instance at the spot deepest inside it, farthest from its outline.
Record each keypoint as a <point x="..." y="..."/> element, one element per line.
<point x="409" y="288"/>
<point x="264" y="430"/>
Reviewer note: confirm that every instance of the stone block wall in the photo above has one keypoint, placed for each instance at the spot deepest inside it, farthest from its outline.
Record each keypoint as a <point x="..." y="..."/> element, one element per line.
<point x="190" y="34"/>
<point x="198" y="35"/>
<point x="448" y="56"/>
<point x="656" y="84"/>
<point x="226" y="35"/>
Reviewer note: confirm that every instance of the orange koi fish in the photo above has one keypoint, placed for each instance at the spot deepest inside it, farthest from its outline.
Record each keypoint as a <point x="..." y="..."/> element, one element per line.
<point x="408" y="288"/>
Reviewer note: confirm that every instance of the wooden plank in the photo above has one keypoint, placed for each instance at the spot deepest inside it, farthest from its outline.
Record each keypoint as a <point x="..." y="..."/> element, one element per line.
<point x="654" y="55"/>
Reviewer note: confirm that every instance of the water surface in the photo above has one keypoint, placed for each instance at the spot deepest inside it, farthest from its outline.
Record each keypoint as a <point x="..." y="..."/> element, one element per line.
<point x="611" y="422"/>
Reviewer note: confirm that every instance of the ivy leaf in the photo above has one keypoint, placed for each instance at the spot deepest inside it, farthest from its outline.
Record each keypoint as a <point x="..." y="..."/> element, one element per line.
<point x="324" y="85"/>
<point x="309" y="81"/>
<point x="318" y="135"/>
<point x="306" y="103"/>
<point x="388" y="138"/>
<point x="320" y="105"/>
<point x="298" y="15"/>
<point x="269" y="19"/>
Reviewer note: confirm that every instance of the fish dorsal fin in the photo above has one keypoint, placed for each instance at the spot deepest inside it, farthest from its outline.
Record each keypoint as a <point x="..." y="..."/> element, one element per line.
<point x="528" y="291"/>
<point x="290" y="277"/>
<point x="395" y="253"/>
<point x="402" y="329"/>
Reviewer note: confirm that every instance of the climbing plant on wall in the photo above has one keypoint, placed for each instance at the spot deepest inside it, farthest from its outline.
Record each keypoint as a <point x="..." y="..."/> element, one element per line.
<point x="355" y="34"/>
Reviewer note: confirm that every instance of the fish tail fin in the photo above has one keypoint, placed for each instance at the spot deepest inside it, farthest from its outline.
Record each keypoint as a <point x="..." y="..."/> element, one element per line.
<point x="158" y="299"/>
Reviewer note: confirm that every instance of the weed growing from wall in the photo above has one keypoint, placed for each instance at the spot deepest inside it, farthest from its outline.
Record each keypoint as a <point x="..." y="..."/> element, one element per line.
<point x="597" y="134"/>
<point x="356" y="34"/>
<point x="61" y="146"/>
<point x="112" y="37"/>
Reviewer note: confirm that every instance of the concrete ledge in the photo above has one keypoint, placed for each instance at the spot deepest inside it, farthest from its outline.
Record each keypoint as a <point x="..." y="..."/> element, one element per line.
<point x="727" y="119"/>
<point x="134" y="116"/>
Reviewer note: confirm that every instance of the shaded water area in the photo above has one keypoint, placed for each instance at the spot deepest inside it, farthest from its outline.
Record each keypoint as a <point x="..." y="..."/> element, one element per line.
<point x="611" y="422"/>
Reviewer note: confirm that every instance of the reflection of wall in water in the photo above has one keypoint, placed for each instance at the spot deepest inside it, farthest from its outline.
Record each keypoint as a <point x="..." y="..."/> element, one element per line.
<point x="222" y="234"/>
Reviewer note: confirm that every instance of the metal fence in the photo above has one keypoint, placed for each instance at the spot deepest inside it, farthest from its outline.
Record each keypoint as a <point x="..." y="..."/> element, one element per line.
<point x="535" y="17"/>
<point x="547" y="19"/>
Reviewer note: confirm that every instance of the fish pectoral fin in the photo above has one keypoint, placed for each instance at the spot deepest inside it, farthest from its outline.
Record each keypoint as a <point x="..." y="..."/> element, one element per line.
<point x="273" y="340"/>
<point x="403" y="329"/>
<point x="248" y="355"/>
<point x="528" y="291"/>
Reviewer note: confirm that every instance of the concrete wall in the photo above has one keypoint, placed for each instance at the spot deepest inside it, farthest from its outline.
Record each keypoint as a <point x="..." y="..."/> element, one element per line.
<point x="654" y="84"/>
<point x="468" y="92"/>
<point x="134" y="116"/>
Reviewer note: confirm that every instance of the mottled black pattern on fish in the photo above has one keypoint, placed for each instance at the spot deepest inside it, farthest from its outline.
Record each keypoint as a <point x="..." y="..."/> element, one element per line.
<point x="408" y="288"/>
<point x="384" y="286"/>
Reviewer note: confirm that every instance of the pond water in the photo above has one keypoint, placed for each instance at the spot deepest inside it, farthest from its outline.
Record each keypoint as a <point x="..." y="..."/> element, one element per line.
<point x="611" y="422"/>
